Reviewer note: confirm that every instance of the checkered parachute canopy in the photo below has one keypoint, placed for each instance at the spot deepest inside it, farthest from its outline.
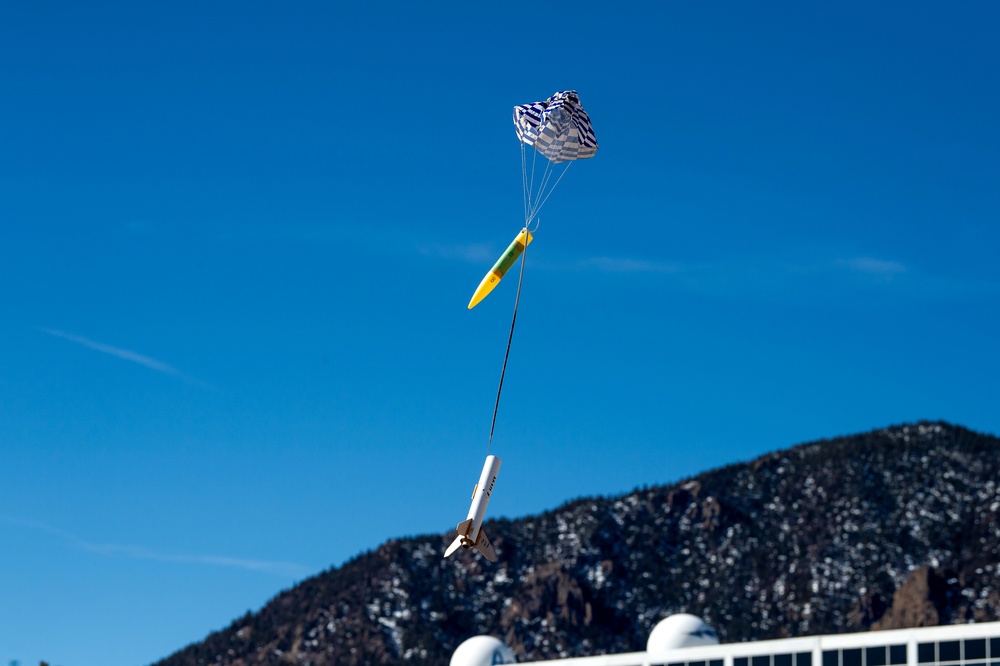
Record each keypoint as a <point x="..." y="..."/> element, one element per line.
<point x="558" y="128"/>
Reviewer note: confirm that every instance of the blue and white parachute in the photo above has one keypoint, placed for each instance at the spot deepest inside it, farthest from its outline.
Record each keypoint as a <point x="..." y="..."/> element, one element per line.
<point x="558" y="128"/>
<point x="560" y="131"/>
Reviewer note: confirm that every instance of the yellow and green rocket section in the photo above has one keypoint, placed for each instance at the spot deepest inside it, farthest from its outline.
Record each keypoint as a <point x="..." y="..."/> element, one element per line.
<point x="500" y="268"/>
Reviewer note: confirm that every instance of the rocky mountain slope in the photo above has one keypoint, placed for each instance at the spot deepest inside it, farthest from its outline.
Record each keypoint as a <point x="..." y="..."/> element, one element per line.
<point x="892" y="528"/>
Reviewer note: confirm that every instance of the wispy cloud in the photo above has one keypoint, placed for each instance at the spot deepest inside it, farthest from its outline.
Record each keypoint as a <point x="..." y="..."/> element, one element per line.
<point x="476" y="253"/>
<point x="763" y="277"/>
<point x="627" y="265"/>
<point x="291" y="570"/>
<point x="738" y="267"/>
<point x="284" y="569"/>
<point x="741" y="268"/>
<point x="124" y="354"/>
<point x="872" y="266"/>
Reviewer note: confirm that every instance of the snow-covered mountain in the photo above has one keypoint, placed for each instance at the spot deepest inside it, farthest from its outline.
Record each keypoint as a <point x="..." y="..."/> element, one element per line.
<point x="892" y="528"/>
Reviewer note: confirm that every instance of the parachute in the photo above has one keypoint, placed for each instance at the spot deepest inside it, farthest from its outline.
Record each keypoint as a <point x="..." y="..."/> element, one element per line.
<point x="560" y="131"/>
<point x="558" y="128"/>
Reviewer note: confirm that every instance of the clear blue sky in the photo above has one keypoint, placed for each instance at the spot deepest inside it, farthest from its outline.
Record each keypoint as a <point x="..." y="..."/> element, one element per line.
<point x="238" y="241"/>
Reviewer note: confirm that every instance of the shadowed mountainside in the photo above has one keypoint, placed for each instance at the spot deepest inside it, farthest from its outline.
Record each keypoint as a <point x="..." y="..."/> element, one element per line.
<point x="893" y="528"/>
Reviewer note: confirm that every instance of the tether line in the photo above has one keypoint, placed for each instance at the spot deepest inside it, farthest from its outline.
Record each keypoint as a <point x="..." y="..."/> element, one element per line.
<point x="513" y="320"/>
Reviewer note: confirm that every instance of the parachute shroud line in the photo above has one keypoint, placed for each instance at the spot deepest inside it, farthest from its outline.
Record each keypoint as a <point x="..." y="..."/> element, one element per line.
<point x="534" y="198"/>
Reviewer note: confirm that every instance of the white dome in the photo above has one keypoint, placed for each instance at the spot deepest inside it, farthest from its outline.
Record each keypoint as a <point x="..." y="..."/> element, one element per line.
<point x="680" y="631"/>
<point x="482" y="651"/>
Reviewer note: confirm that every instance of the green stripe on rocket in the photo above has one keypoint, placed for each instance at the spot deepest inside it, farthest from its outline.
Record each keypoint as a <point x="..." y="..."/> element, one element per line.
<point x="501" y="267"/>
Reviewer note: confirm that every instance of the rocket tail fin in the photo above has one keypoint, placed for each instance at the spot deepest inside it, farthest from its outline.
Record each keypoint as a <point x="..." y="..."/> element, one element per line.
<point x="484" y="546"/>
<point x="455" y="545"/>
<point x="462" y="539"/>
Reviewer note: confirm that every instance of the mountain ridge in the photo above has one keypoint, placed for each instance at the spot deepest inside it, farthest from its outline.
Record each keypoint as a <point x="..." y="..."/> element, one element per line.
<point x="895" y="527"/>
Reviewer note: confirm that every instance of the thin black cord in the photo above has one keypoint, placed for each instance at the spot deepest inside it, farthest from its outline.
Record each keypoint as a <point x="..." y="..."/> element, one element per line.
<point x="510" y="337"/>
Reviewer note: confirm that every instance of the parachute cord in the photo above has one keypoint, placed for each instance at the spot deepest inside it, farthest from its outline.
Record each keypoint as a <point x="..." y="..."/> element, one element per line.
<point x="503" y="371"/>
<point x="528" y="182"/>
<point x="524" y="180"/>
<point x="538" y="205"/>
<point x="534" y="200"/>
<point x="543" y="183"/>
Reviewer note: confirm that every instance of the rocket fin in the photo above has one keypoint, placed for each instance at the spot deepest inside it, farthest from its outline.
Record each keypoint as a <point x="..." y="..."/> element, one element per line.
<point x="464" y="527"/>
<point x="455" y="545"/>
<point x="483" y="546"/>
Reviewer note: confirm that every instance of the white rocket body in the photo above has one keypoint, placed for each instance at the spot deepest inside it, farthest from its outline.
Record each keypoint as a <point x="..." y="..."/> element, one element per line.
<point x="470" y="530"/>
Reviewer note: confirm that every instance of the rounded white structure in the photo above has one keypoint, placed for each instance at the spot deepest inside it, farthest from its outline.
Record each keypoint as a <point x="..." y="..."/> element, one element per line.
<point x="680" y="631"/>
<point x="482" y="651"/>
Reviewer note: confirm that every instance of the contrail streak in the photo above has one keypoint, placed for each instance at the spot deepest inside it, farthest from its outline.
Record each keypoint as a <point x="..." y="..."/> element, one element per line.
<point x="124" y="354"/>
<point x="291" y="570"/>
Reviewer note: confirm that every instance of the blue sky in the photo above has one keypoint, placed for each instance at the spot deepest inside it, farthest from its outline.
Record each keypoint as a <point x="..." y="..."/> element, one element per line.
<point x="239" y="240"/>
